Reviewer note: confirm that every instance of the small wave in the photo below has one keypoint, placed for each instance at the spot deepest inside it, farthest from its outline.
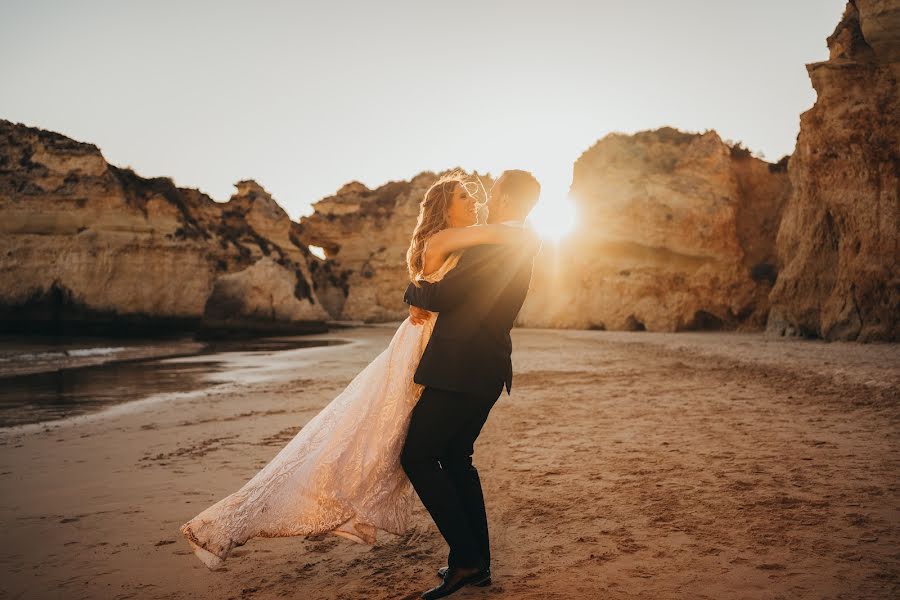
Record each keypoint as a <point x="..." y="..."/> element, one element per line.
<point x="37" y="355"/>
<point x="93" y="351"/>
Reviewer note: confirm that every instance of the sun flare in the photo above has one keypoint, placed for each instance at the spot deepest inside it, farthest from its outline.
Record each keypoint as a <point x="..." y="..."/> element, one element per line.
<point x="554" y="219"/>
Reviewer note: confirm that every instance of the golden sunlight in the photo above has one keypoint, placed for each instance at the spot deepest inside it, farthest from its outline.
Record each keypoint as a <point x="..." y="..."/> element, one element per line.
<point x="554" y="219"/>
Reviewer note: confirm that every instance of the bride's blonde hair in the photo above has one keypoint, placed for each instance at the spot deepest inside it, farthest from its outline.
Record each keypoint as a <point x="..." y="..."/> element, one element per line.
<point x="433" y="217"/>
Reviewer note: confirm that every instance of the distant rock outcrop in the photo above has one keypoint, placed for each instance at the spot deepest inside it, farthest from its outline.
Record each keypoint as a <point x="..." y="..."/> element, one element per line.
<point x="839" y="240"/>
<point x="365" y="234"/>
<point x="85" y="245"/>
<point x="675" y="232"/>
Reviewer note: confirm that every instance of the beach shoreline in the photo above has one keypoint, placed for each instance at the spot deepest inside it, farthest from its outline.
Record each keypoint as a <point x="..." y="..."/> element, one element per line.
<point x="60" y="382"/>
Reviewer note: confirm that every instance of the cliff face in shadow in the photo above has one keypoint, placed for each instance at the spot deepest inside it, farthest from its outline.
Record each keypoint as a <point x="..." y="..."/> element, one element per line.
<point x="85" y="245"/>
<point x="838" y="240"/>
<point x="675" y="232"/>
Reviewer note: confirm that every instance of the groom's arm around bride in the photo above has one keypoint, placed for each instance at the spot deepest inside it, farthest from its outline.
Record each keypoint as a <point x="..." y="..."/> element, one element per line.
<point x="477" y="302"/>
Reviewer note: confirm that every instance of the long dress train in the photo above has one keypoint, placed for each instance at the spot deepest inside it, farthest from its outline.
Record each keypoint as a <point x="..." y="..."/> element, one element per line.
<point x="341" y="473"/>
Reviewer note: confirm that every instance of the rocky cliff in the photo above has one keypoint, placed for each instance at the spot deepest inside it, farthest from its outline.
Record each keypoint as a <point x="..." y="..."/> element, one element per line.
<point x="675" y="232"/>
<point x="365" y="234"/>
<point x="84" y="243"/>
<point x="838" y="239"/>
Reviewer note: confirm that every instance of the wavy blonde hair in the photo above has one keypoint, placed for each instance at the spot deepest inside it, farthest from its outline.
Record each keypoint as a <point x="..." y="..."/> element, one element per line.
<point x="433" y="217"/>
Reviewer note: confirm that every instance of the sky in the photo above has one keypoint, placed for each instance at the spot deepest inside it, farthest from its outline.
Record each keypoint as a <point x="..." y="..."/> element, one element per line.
<point x="306" y="96"/>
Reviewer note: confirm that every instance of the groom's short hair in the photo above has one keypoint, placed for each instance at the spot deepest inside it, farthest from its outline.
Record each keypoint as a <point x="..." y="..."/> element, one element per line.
<point x="522" y="189"/>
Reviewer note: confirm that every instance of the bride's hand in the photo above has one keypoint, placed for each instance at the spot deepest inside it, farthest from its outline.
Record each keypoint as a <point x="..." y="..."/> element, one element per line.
<point x="417" y="315"/>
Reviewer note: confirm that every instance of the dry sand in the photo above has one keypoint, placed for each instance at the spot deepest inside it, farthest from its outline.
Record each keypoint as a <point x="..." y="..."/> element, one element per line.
<point x="624" y="465"/>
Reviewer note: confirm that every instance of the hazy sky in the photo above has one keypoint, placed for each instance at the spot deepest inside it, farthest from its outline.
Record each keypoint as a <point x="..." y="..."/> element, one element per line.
<point x="306" y="96"/>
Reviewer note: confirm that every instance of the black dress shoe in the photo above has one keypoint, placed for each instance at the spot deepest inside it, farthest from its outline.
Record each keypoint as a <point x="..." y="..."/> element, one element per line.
<point x="454" y="580"/>
<point x="442" y="572"/>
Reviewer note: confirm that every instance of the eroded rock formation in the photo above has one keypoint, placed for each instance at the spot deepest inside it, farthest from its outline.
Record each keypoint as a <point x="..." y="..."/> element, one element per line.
<point x="85" y="242"/>
<point x="838" y="239"/>
<point x="675" y="232"/>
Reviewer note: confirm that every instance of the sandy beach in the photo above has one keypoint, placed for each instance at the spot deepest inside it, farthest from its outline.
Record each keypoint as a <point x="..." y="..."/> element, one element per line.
<point x="623" y="465"/>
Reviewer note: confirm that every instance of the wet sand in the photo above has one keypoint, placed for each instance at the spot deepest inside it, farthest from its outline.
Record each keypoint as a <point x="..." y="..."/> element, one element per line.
<point x="623" y="465"/>
<point x="53" y="378"/>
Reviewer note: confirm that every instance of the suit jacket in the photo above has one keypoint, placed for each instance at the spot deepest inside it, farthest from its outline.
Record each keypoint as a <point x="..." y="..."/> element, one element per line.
<point x="478" y="300"/>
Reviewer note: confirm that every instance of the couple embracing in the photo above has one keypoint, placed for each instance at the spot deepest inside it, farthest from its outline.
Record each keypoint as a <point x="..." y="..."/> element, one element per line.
<point x="410" y="418"/>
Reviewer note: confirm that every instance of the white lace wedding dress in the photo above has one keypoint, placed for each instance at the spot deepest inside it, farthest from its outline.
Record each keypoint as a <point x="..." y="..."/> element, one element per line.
<point x="341" y="473"/>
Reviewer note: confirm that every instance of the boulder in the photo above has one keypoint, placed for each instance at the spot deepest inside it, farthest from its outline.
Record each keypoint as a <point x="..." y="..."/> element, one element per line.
<point x="266" y="297"/>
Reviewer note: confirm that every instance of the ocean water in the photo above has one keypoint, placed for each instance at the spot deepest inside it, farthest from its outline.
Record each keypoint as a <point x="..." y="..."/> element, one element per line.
<point x="47" y="378"/>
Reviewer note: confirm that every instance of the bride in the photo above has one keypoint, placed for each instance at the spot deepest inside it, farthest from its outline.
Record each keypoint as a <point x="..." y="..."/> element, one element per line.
<point x="341" y="473"/>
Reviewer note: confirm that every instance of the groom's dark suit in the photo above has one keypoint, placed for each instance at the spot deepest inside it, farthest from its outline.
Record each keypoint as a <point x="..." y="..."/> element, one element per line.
<point x="464" y="368"/>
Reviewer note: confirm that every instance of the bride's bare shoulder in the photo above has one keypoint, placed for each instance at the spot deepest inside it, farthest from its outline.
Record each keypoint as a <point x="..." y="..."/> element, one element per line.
<point x="432" y="257"/>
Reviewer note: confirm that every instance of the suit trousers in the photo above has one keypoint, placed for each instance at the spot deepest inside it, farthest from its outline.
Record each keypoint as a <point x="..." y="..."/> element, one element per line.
<point x="437" y="458"/>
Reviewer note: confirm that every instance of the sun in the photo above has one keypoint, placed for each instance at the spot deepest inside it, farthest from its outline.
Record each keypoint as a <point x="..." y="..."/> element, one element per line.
<point x="554" y="218"/>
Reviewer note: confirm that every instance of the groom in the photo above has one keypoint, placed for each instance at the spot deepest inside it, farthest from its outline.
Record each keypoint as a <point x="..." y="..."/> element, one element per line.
<point x="464" y="368"/>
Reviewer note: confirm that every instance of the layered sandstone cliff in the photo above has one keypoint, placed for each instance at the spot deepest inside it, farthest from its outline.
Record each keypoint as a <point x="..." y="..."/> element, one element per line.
<point x="675" y="232"/>
<point x="838" y="239"/>
<point x="365" y="234"/>
<point x="83" y="242"/>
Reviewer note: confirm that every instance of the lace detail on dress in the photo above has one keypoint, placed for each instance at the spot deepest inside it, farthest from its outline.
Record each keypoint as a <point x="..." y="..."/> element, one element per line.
<point x="341" y="473"/>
